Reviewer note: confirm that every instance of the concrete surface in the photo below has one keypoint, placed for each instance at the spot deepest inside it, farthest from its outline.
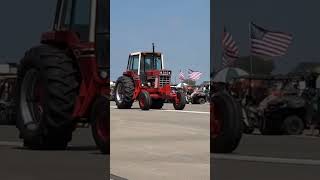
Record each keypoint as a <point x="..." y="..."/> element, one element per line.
<point x="160" y="144"/>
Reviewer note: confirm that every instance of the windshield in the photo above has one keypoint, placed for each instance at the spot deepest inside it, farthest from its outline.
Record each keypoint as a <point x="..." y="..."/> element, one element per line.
<point x="150" y="64"/>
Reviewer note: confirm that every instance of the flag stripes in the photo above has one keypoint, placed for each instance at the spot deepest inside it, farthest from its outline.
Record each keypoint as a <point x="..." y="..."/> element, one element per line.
<point x="269" y="43"/>
<point x="230" y="49"/>
<point x="194" y="75"/>
<point x="181" y="76"/>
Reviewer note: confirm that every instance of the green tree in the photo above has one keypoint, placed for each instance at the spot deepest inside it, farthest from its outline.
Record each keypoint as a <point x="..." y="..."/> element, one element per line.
<point x="259" y="65"/>
<point x="305" y="67"/>
<point x="190" y="82"/>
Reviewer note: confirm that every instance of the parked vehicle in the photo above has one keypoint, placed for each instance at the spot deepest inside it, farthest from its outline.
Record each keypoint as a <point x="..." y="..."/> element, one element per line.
<point x="274" y="104"/>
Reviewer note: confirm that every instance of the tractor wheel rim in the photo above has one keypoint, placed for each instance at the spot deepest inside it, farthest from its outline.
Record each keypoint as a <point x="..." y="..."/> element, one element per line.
<point x="216" y="117"/>
<point x="32" y="98"/>
<point x="178" y="99"/>
<point x="119" y="93"/>
<point x="141" y="102"/>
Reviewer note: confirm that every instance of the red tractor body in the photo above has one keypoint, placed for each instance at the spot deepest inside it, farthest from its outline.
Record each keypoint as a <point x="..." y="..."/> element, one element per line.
<point x="147" y="81"/>
<point x="65" y="80"/>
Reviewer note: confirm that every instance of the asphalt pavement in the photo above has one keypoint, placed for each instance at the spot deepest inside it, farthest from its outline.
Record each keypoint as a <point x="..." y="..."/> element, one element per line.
<point x="270" y="157"/>
<point x="82" y="161"/>
<point x="162" y="144"/>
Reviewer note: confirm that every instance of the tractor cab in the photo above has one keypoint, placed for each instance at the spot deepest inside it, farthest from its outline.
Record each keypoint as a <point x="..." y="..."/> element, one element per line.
<point x="149" y="67"/>
<point x="83" y="26"/>
<point x="142" y="62"/>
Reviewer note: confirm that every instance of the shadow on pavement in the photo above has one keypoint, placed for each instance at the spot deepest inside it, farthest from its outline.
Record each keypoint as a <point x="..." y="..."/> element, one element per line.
<point x="70" y="148"/>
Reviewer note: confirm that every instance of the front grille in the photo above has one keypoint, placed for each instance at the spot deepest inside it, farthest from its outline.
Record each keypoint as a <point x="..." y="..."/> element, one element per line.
<point x="164" y="80"/>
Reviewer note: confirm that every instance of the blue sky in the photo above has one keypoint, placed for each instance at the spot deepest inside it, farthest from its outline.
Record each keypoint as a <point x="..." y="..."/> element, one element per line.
<point x="179" y="29"/>
<point x="299" y="18"/>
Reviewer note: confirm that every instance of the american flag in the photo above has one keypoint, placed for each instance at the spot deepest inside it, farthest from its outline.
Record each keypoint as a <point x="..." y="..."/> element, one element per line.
<point x="181" y="76"/>
<point x="269" y="43"/>
<point x="230" y="49"/>
<point x="194" y="75"/>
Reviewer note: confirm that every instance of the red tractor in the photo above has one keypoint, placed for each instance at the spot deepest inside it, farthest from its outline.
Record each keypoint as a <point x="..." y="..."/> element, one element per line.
<point x="65" y="81"/>
<point x="147" y="81"/>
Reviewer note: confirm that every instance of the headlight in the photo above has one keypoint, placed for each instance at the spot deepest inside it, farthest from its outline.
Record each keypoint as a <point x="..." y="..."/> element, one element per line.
<point x="103" y="74"/>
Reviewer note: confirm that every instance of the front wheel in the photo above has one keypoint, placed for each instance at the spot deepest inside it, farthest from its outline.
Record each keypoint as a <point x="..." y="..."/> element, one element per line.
<point x="145" y="101"/>
<point x="293" y="125"/>
<point x="180" y="102"/>
<point x="201" y="100"/>
<point x="227" y="114"/>
<point x="100" y="124"/>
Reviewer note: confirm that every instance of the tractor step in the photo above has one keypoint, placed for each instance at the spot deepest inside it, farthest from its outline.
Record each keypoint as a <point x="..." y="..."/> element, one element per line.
<point x="83" y="125"/>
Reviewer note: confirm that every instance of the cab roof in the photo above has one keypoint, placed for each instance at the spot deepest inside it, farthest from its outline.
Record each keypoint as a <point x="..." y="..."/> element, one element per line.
<point x="145" y="52"/>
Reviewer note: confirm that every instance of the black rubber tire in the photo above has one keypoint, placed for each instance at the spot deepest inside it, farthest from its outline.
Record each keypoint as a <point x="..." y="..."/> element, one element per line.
<point x="201" y="100"/>
<point x="60" y="78"/>
<point x="157" y="104"/>
<point x="126" y="101"/>
<point x="231" y="126"/>
<point x="194" y="100"/>
<point x="182" y="103"/>
<point x="100" y="123"/>
<point x="145" y="101"/>
<point x="293" y="125"/>
<point x="267" y="128"/>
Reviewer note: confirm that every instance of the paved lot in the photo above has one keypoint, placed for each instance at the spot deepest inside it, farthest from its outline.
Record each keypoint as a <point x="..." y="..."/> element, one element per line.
<point x="270" y="157"/>
<point x="160" y="144"/>
<point x="80" y="162"/>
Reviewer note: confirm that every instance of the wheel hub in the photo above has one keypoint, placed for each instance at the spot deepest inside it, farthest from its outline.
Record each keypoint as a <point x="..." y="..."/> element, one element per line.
<point x="119" y="93"/>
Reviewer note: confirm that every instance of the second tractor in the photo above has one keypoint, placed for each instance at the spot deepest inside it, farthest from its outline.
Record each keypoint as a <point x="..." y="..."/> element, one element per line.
<point x="147" y="81"/>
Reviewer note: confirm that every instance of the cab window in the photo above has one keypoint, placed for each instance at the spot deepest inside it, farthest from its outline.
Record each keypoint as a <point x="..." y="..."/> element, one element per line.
<point x="134" y="63"/>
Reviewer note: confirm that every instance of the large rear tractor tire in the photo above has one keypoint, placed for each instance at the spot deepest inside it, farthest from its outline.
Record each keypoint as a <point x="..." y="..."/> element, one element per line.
<point x="228" y="115"/>
<point x="124" y="92"/>
<point x="157" y="104"/>
<point x="181" y="101"/>
<point x="145" y="101"/>
<point x="100" y="124"/>
<point x="48" y="84"/>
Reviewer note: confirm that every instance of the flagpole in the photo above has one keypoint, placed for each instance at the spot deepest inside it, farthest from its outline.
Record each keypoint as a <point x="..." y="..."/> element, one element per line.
<point x="250" y="54"/>
<point x="250" y="43"/>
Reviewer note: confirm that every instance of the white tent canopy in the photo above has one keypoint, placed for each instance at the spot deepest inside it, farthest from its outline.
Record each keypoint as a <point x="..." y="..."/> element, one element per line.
<point x="112" y="83"/>
<point x="227" y="74"/>
<point x="180" y="85"/>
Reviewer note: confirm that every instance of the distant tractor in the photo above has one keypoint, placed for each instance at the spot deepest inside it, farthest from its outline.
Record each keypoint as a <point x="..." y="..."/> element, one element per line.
<point x="146" y="81"/>
<point x="198" y="97"/>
